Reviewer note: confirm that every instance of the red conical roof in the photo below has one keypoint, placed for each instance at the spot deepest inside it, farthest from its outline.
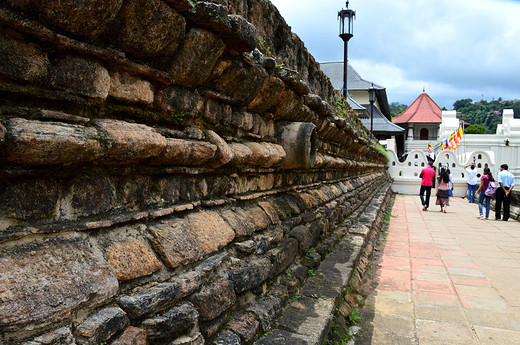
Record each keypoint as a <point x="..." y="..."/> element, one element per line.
<point x="422" y="110"/>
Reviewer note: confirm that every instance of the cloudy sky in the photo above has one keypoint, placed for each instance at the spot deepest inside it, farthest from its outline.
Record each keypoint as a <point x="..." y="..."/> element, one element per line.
<point x="455" y="49"/>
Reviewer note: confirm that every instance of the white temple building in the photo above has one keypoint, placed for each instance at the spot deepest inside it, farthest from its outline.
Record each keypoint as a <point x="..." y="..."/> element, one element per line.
<point x="488" y="150"/>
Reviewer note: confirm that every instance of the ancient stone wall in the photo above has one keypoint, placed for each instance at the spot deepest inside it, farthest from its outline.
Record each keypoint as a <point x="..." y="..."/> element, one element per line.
<point x="163" y="165"/>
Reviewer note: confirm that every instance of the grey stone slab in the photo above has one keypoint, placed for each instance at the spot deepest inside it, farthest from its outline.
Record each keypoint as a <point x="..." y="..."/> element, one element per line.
<point x="308" y="316"/>
<point x="280" y="337"/>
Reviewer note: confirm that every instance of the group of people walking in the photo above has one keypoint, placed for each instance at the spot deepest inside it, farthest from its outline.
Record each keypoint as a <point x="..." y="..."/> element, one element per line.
<point x="487" y="188"/>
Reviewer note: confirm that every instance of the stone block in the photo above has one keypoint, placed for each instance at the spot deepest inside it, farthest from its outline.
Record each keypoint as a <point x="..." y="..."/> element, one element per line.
<point x="210" y="15"/>
<point x="242" y="120"/>
<point x="227" y="337"/>
<point x="239" y="220"/>
<point x="127" y="88"/>
<point x="282" y="256"/>
<point x="270" y="208"/>
<point x="250" y="276"/>
<point x="218" y="113"/>
<point x="180" y="102"/>
<point x="171" y="323"/>
<point x="79" y="18"/>
<point x="181" y="5"/>
<point x="211" y="230"/>
<point x="188" y="283"/>
<point x="266" y="309"/>
<point x="21" y="4"/>
<point x="287" y="105"/>
<point x="242" y="83"/>
<point x="268" y="95"/>
<point x="310" y="200"/>
<point x="241" y="154"/>
<point x="60" y="336"/>
<point x="196" y="339"/>
<point x="29" y="198"/>
<point x="224" y="152"/>
<point x="210" y="328"/>
<point x="22" y="61"/>
<point x="212" y="263"/>
<point x="175" y="241"/>
<point x="43" y="282"/>
<point x="302" y="234"/>
<point x="245" y="326"/>
<point x="148" y="300"/>
<point x="131" y="259"/>
<point x="186" y="152"/>
<point x="214" y="299"/>
<point x="101" y="326"/>
<point x="264" y="154"/>
<point x="283" y="207"/>
<point x="50" y="143"/>
<point x="132" y="336"/>
<point x="280" y="337"/>
<point x="88" y="196"/>
<point x="130" y="142"/>
<point x="242" y="35"/>
<point x="147" y="28"/>
<point x="193" y="62"/>
<point x="260" y="218"/>
<point x="308" y="316"/>
<point x="84" y="77"/>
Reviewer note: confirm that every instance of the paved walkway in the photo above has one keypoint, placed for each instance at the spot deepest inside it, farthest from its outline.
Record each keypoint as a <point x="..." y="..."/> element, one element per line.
<point x="445" y="278"/>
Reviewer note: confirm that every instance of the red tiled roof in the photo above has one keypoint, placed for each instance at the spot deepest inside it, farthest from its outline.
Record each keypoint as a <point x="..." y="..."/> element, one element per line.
<point x="422" y="110"/>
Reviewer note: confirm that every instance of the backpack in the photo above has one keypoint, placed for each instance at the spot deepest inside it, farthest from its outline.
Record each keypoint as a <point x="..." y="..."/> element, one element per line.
<point x="491" y="189"/>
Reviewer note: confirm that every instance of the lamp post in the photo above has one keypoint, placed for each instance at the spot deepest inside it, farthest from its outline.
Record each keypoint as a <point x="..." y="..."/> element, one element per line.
<point x="346" y="29"/>
<point x="372" y="99"/>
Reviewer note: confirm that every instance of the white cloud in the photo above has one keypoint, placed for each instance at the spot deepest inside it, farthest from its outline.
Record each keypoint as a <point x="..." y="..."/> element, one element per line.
<point x="456" y="49"/>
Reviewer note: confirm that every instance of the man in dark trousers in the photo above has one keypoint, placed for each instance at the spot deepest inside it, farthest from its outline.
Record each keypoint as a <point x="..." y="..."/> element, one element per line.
<point x="427" y="175"/>
<point x="506" y="182"/>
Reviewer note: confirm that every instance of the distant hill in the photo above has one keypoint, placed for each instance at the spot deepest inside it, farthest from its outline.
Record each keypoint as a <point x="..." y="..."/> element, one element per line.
<point x="484" y="113"/>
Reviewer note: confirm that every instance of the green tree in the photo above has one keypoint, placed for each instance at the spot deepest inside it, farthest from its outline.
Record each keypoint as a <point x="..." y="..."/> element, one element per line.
<point x="484" y="113"/>
<point x="397" y="108"/>
<point x="475" y="129"/>
<point x="462" y="103"/>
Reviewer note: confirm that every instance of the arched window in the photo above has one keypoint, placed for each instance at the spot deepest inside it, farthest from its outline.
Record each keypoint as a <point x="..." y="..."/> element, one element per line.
<point x="423" y="134"/>
<point x="479" y="165"/>
<point x="416" y="156"/>
<point x="486" y="165"/>
<point x="400" y="173"/>
<point x="479" y="156"/>
<point x="409" y="164"/>
<point x="453" y="165"/>
<point x="462" y="175"/>
<point x="393" y="163"/>
<point x="422" y="164"/>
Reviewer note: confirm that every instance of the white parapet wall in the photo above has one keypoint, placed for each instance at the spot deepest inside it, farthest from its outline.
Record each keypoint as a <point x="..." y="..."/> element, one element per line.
<point x="488" y="150"/>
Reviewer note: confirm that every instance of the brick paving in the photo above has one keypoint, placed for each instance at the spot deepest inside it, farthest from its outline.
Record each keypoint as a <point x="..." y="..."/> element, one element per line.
<point x="444" y="278"/>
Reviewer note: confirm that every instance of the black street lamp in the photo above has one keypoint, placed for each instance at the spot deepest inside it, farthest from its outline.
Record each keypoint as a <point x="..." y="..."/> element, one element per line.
<point x="346" y="31"/>
<point x="372" y="99"/>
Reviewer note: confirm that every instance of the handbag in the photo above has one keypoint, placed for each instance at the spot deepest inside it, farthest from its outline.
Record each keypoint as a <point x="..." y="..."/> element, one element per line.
<point x="450" y="192"/>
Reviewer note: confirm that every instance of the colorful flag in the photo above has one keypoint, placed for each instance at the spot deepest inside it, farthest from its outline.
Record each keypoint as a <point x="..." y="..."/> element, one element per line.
<point x="430" y="150"/>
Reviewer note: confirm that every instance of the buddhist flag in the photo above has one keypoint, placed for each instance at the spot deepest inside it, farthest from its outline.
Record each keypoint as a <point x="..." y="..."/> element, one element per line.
<point x="460" y="132"/>
<point x="430" y="150"/>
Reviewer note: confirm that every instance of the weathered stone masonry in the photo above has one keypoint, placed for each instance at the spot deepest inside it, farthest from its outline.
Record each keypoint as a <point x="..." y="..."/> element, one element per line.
<point x="171" y="172"/>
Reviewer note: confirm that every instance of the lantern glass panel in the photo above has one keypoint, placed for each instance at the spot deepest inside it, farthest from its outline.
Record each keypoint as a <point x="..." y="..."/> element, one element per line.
<point x="371" y="95"/>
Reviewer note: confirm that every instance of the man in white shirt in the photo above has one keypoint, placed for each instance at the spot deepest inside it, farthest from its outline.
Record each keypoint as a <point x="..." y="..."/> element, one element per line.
<point x="506" y="182"/>
<point x="472" y="181"/>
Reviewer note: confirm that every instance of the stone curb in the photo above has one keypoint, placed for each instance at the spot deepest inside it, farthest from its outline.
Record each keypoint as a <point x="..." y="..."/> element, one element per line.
<point x="307" y="319"/>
